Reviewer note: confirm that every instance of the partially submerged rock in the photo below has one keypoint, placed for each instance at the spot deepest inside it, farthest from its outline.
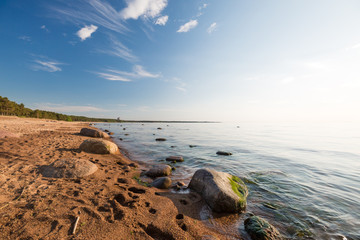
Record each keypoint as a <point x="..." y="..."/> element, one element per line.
<point x="162" y="183"/>
<point x="222" y="191"/>
<point x="159" y="171"/>
<point x="259" y="229"/>
<point x="223" y="153"/>
<point x="160" y="139"/>
<point x="69" y="168"/>
<point x="175" y="159"/>
<point x="93" y="133"/>
<point x="99" y="146"/>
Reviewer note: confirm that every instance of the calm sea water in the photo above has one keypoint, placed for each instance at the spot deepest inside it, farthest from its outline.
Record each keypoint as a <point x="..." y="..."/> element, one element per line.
<point x="305" y="179"/>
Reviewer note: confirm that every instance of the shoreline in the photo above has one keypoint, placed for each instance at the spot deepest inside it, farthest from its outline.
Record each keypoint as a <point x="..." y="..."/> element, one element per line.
<point x="110" y="203"/>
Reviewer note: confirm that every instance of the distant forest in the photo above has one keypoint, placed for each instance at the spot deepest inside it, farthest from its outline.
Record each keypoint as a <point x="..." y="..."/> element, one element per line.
<point x="11" y="108"/>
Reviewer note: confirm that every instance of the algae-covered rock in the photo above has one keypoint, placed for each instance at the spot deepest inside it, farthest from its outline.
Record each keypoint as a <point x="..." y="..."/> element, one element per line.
<point x="99" y="146"/>
<point x="222" y="191"/>
<point x="259" y="229"/>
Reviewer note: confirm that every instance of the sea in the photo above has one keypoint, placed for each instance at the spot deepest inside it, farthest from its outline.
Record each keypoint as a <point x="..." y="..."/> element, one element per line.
<point x="304" y="178"/>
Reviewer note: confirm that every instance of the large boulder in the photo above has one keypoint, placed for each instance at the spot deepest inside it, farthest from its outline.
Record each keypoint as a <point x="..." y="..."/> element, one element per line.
<point x="162" y="183"/>
<point x="259" y="229"/>
<point x="69" y="168"/>
<point x="222" y="191"/>
<point x="99" y="146"/>
<point x="93" y="133"/>
<point x="159" y="171"/>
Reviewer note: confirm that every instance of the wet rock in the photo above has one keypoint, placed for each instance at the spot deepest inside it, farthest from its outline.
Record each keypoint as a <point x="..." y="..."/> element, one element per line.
<point x="159" y="128"/>
<point x="120" y="139"/>
<point x="134" y="165"/>
<point x="175" y="159"/>
<point x="181" y="184"/>
<point x="111" y="133"/>
<point x="126" y="134"/>
<point x="223" y="153"/>
<point x="159" y="171"/>
<point x="107" y="130"/>
<point x="162" y="183"/>
<point x="160" y="139"/>
<point x="99" y="146"/>
<point x="259" y="229"/>
<point x="222" y="191"/>
<point x="69" y="168"/>
<point x="93" y="133"/>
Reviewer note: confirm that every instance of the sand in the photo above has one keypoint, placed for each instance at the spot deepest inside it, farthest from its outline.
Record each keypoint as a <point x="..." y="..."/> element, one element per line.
<point x="110" y="203"/>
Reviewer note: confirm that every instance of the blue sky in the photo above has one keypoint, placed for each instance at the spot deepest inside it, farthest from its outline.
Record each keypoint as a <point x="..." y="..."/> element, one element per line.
<point x="291" y="60"/>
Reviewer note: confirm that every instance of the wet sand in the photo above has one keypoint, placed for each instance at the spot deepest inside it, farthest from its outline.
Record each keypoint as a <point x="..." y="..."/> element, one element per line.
<point x="110" y="203"/>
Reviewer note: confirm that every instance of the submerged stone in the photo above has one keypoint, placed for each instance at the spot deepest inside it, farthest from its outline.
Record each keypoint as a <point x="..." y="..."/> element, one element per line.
<point x="223" y="153"/>
<point x="259" y="229"/>
<point x="175" y="159"/>
<point x="160" y="139"/>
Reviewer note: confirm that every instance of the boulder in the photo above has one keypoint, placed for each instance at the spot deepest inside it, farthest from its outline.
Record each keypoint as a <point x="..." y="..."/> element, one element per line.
<point x="160" y="139"/>
<point x="99" y="146"/>
<point x="93" y="133"/>
<point x="259" y="229"/>
<point x="162" y="183"/>
<point x="222" y="191"/>
<point x="69" y="168"/>
<point x="159" y="171"/>
<point x="175" y="159"/>
<point x="223" y="153"/>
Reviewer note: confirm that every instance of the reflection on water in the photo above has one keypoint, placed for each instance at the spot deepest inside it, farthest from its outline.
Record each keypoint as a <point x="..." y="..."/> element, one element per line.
<point x="305" y="179"/>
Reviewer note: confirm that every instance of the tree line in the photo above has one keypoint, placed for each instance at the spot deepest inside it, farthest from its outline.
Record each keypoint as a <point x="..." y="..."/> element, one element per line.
<point x="12" y="108"/>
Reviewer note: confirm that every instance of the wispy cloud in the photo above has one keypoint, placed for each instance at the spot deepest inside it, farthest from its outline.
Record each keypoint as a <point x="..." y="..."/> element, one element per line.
<point x="162" y="20"/>
<point x="66" y="108"/>
<point x="42" y="63"/>
<point x="86" y="32"/>
<point x="203" y="6"/>
<point x="188" y="26"/>
<point x="179" y="84"/>
<point x="213" y="27"/>
<point x="119" y="50"/>
<point x="97" y="12"/>
<point x="145" y="8"/>
<point x="116" y="75"/>
<point x="43" y="27"/>
<point x="25" y="38"/>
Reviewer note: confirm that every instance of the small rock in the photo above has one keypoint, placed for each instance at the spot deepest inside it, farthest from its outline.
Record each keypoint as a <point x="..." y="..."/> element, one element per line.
<point x="124" y="129"/>
<point x="160" y="139"/>
<point x="111" y="133"/>
<point x="181" y="184"/>
<point x="259" y="229"/>
<point x="173" y="146"/>
<point x="162" y="183"/>
<point x="159" y="128"/>
<point x="159" y="171"/>
<point x="223" y="153"/>
<point x="106" y="130"/>
<point x="126" y="134"/>
<point x="99" y="146"/>
<point x="175" y="159"/>
<point x="120" y="139"/>
<point x="126" y="168"/>
<point x="134" y="165"/>
<point x="192" y="146"/>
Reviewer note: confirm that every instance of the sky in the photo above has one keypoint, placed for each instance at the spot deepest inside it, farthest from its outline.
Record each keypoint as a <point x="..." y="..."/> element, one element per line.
<point x="234" y="60"/>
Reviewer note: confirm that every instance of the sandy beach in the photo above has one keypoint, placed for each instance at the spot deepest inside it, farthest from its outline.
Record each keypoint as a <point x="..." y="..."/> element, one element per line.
<point x="110" y="203"/>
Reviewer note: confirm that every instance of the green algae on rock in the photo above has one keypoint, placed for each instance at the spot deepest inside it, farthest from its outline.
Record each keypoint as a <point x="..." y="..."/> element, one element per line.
<point x="259" y="229"/>
<point x="239" y="187"/>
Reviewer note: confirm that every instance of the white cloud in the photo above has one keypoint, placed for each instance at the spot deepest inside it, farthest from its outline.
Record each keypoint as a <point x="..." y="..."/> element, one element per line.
<point x="188" y="26"/>
<point x="203" y="6"/>
<point x="119" y="50"/>
<point x="25" y="38"/>
<point x="66" y="108"/>
<point x="212" y="28"/>
<point x="146" y="8"/>
<point x="138" y="72"/>
<point x="162" y="20"/>
<point x="44" y="28"/>
<point x="86" y="32"/>
<point x="97" y="12"/>
<point x="46" y="65"/>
